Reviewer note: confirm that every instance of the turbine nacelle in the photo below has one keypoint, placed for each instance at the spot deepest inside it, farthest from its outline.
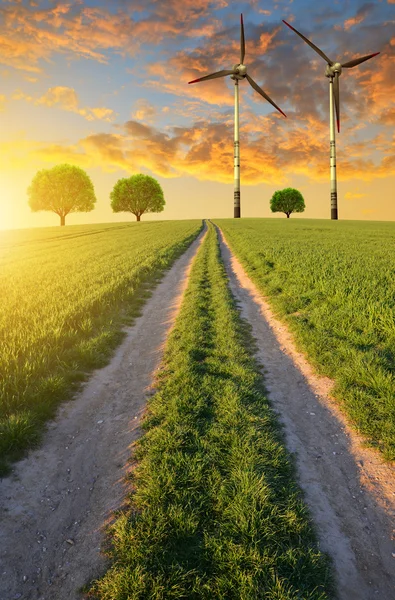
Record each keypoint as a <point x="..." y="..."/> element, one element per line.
<point x="332" y="69"/>
<point x="240" y="71"/>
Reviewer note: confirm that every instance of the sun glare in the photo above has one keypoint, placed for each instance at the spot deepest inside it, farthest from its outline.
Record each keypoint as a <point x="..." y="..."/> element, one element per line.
<point x="7" y="205"/>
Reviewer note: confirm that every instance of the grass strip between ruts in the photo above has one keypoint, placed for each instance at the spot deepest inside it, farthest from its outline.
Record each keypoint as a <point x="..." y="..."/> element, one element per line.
<point x="214" y="511"/>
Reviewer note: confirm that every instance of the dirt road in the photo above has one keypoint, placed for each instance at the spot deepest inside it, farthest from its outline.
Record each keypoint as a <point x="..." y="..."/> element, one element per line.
<point x="57" y="500"/>
<point x="55" y="504"/>
<point x="349" y="489"/>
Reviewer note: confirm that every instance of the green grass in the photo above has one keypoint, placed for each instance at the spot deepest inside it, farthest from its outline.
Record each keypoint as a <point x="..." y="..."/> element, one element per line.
<point x="66" y="294"/>
<point x="215" y="511"/>
<point x="334" y="284"/>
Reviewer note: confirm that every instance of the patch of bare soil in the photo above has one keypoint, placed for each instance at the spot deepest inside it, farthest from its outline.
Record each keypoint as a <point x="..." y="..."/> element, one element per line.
<point x="55" y="504"/>
<point x="350" y="490"/>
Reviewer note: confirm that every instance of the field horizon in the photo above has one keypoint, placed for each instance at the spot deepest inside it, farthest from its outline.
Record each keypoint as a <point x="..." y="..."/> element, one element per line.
<point x="294" y="217"/>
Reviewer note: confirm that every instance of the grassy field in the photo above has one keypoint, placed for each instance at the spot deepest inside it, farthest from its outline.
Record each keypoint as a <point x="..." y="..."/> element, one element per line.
<point x="334" y="284"/>
<point x="65" y="295"/>
<point x="215" y="511"/>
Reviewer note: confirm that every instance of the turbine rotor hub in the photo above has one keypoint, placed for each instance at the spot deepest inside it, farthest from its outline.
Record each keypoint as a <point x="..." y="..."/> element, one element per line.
<point x="332" y="69"/>
<point x="241" y="71"/>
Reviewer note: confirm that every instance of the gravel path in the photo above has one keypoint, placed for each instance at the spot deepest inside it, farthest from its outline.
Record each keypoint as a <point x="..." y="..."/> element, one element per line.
<point x="349" y="489"/>
<point x="55" y="504"/>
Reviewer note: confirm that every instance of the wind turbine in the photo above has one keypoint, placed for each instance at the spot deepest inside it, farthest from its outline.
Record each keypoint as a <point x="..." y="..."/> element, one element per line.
<point x="333" y="71"/>
<point x="238" y="73"/>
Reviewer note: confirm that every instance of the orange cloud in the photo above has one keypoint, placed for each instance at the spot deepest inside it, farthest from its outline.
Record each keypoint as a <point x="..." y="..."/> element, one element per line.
<point x="30" y="34"/>
<point x="348" y="23"/>
<point x="18" y="153"/>
<point x="64" y="96"/>
<point x="144" y="111"/>
<point x="378" y="87"/>
<point x="56" y="153"/>
<point x="173" y="77"/>
<point x="208" y="30"/>
<point x="187" y="10"/>
<point x="361" y="15"/>
<point x="106" y="150"/>
<point x="101" y="113"/>
<point x="266" y="41"/>
<point x="271" y="152"/>
<point x="387" y="117"/>
<point x="67" y="99"/>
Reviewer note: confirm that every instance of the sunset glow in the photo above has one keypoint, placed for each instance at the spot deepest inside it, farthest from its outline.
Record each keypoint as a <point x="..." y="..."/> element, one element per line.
<point x="104" y="86"/>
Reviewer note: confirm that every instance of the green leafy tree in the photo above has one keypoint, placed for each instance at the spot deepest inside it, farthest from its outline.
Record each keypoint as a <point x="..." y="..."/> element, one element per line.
<point x="287" y="201"/>
<point x="62" y="189"/>
<point x="138" y="194"/>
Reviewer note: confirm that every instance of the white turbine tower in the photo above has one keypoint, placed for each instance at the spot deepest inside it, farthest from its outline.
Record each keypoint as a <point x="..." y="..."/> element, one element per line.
<point x="237" y="73"/>
<point x="333" y="71"/>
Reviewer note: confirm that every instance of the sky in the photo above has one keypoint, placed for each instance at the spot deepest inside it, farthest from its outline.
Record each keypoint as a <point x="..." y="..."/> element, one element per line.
<point x="104" y="86"/>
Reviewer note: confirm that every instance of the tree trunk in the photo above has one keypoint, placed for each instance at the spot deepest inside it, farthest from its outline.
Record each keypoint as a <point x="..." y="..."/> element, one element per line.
<point x="287" y="215"/>
<point x="138" y="217"/>
<point x="62" y="220"/>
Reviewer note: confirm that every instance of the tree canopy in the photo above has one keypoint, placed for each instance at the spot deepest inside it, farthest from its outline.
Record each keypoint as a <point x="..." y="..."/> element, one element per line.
<point x="287" y="201"/>
<point x="137" y="194"/>
<point x="62" y="190"/>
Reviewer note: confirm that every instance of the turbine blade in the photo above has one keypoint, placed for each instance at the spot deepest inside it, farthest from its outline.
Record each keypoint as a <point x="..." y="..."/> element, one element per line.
<point x="324" y="56"/>
<point x="213" y="76"/>
<point x="337" y="99"/>
<point x="358" y="61"/>
<point x="242" y="41"/>
<point x="262" y="93"/>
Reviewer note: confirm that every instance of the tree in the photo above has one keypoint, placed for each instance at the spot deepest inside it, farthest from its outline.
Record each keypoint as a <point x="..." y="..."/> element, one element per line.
<point x="138" y="194"/>
<point x="287" y="201"/>
<point x="62" y="189"/>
